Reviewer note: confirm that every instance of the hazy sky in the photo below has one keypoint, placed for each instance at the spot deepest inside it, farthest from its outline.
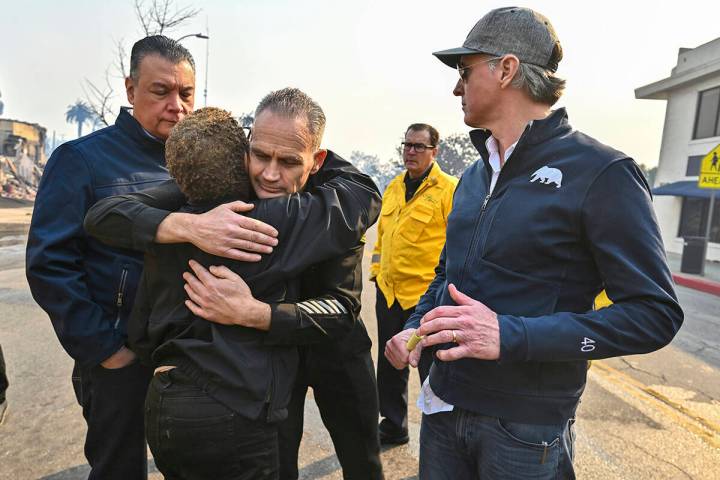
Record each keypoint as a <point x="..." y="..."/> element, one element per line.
<point x="368" y="63"/>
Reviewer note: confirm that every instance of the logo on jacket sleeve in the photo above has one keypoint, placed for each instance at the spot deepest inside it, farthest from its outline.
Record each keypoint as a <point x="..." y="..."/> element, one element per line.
<point x="547" y="175"/>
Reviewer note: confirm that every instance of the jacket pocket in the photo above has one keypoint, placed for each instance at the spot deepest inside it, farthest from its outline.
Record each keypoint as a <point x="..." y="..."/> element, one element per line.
<point x="388" y="208"/>
<point x="418" y="219"/>
<point x="387" y="218"/>
<point x="509" y="293"/>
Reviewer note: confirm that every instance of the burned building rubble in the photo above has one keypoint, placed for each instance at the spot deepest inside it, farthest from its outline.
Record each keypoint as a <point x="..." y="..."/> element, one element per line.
<point x="22" y="158"/>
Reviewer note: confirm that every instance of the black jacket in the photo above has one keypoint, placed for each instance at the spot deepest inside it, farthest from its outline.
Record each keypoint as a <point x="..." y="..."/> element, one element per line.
<point x="85" y="287"/>
<point x="567" y="218"/>
<point x="244" y="368"/>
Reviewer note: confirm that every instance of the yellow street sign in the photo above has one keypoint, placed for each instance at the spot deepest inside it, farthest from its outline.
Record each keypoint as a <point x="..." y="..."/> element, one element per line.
<point x="710" y="169"/>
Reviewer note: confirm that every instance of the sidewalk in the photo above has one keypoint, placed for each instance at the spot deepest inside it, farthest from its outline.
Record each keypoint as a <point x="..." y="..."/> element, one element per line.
<point x="709" y="283"/>
<point x="14" y="216"/>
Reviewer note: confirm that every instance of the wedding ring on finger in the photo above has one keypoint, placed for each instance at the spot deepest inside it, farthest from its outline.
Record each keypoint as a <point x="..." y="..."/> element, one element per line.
<point x="454" y="339"/>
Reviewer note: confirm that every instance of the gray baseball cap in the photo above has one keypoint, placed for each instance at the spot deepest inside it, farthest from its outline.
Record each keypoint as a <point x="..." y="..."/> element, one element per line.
<point x="523" y="32"/>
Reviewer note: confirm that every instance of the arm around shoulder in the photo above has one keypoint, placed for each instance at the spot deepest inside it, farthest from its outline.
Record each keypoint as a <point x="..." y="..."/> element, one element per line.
<point x="330" y="306"/>
<point x="132" y="220"/>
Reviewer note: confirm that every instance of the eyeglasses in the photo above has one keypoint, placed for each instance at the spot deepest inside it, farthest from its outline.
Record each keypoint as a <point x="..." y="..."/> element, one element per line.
<point x="463" y="71"/>
<point x="419" y="147"/>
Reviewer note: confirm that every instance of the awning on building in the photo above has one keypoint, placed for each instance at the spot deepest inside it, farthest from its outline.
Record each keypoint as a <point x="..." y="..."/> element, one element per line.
<point x="688" y="188"/>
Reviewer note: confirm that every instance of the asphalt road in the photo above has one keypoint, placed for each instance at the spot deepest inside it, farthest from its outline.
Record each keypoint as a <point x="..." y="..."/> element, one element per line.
<point x="649" y="416"/>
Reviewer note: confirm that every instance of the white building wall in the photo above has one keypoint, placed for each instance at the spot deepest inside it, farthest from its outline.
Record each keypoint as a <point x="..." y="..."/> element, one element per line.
<point x="677" y="145"/>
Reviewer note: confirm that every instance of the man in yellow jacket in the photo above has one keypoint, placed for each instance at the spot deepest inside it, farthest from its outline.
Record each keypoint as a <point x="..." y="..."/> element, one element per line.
<point x="411" y="234"/>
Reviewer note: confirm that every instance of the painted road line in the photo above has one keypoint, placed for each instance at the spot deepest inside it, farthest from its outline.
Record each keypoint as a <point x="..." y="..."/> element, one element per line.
<point x="707" y="430"/>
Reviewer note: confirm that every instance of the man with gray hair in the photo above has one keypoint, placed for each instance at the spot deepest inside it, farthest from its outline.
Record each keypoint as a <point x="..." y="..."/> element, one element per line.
<point x="540" y="225"/>
<point x="87" y="288"/>
<point x="322" y="317"/>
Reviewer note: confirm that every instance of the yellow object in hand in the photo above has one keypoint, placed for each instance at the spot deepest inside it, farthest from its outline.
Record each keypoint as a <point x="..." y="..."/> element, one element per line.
<point x="412" y="342"/>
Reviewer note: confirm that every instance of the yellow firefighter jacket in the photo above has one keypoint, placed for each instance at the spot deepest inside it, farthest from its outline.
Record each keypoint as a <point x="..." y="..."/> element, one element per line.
<point x="411" y="236"/>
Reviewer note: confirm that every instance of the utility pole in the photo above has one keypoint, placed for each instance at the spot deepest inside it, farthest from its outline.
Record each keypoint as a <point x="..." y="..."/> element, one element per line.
<point x="206" y="37"/>
<point x="207" y="59"/>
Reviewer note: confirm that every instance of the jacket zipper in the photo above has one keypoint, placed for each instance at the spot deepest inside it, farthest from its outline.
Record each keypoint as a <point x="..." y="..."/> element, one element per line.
<point x="120" y="294"/>
<point x="472" y="240"/>
<point x="483" y="208"/>
<point x="484" y="205"/>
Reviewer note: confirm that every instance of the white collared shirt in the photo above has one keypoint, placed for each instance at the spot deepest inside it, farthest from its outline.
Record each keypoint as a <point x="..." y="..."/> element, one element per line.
<point x="427" y="401"/>
<point x="494" y="150"/>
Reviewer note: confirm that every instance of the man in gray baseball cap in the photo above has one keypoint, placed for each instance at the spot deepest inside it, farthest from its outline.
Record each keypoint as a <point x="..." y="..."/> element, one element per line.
<point x="541" y="223"/>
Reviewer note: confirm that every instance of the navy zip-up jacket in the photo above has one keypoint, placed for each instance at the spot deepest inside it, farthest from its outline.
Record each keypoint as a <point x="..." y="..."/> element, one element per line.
<point x="567" y="218"/>
<point x="86" y="287"/>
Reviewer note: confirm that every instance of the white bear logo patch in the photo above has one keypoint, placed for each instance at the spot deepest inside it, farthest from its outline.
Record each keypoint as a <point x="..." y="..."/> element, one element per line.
<point x="547" y="175"/>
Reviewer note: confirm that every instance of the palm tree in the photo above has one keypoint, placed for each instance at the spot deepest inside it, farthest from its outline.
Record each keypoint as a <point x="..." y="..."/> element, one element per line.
<point x="246" y="119"/>
<point x="79" y="113"/>
<point x="96" y="121"/>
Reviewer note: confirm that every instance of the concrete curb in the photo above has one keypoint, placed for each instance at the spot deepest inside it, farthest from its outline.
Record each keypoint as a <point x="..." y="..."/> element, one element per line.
<point x="697" y="283"/>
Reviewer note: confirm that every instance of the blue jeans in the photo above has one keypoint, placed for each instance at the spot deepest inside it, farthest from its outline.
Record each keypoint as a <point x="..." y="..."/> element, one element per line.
<point x="462" y="445"/>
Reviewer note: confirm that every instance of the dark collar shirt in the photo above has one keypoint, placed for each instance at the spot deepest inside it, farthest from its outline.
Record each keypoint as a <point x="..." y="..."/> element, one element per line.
<point x="412" y="184"/>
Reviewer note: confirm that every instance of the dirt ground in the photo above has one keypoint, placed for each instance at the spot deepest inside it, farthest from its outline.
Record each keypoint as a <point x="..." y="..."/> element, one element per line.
<point x="15" y="215"/>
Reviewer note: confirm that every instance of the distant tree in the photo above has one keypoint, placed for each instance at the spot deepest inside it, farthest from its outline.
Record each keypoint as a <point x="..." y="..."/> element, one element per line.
<point x="79" y="113"/>
<point x="97" y="122"/>
<point x="455" y="153"/>
<point x="246" y="119"/>
<point x="162" y="15"/>
<point x="53" y="143"/>
<point x="156" y="17"/>
<point x="649" y="173"/>
<point x="381" y="171"/>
